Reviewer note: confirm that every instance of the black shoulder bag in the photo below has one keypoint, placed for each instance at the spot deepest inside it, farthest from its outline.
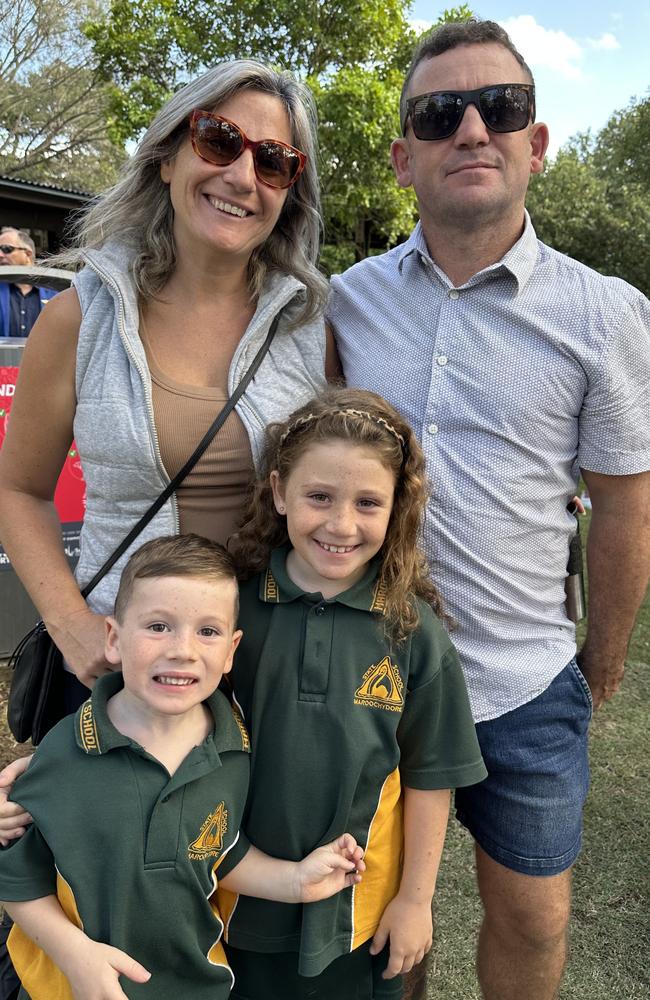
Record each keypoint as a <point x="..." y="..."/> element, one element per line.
<point x="36" y="694"/>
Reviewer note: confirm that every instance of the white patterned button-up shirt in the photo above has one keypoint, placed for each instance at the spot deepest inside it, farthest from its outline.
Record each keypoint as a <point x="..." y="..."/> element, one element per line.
<point x="535" y="367"/>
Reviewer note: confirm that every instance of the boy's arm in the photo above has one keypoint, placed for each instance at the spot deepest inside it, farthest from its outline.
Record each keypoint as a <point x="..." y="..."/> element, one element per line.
<point x="407" y="920"/>
<point x="92" y="969"/>
<point x="322" y="873"/>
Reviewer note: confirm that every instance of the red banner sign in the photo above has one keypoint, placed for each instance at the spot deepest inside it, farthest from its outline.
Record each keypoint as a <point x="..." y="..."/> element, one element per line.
<point x="70" y="495"/>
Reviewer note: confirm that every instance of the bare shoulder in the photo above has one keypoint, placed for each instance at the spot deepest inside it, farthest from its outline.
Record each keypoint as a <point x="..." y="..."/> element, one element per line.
<point x="34" y="448"/>
<point x="54" y="335"/>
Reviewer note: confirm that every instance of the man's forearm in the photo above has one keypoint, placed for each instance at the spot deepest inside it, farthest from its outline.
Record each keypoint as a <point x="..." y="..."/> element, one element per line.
<point x="618" y="561"/>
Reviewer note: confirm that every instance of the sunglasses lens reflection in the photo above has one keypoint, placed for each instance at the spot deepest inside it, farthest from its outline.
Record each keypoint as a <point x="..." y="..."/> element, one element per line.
<point x="504" y="109"/>
<point x="219" y="142"/>
<point x="276" y="164"/>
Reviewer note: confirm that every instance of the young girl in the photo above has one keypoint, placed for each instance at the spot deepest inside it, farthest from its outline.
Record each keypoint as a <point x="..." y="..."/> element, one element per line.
<point x="354" y="699"/>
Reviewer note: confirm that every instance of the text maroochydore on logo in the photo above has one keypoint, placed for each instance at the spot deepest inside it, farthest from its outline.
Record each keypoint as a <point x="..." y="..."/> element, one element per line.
<point x="381" y="687"/>
<point x="209" y="842"/>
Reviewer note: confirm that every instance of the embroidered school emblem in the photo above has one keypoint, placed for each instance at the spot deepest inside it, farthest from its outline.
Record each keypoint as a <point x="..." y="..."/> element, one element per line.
<point x="379" y="598"/>
<point x="88" y="728"/>
<point x="209" y="842"/>
<point x="271" y="592"/>
<point x="382" y="687"/>
<point x="243" y="732"/>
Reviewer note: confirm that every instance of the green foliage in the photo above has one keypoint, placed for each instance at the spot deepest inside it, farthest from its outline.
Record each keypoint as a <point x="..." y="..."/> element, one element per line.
<point x="53" y="108"/>
<point x="593" y="201"/>
<point x="148" y="50"/>
<point x="358" y="114"/>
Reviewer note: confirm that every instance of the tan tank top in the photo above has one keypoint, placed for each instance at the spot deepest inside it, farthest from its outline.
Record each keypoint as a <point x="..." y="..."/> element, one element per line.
<point x="212" y="496"/>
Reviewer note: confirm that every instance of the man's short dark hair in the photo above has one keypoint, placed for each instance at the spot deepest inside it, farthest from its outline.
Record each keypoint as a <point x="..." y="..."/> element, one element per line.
<point x="450" y="36"/>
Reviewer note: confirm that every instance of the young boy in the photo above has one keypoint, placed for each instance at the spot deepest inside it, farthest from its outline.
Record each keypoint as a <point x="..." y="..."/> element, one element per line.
<point x="137" y="802"/>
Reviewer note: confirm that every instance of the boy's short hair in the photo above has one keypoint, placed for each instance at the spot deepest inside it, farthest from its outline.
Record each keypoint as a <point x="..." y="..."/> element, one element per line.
<point x="175" y="555"/>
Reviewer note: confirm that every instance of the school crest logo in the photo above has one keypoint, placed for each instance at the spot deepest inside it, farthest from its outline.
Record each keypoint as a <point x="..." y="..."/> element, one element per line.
<point x="381" y="687"/>
<point x="209" y="842"/>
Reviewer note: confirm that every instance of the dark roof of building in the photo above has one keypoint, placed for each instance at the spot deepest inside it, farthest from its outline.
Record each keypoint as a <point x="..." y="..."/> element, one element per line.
<point x="43" y="189"/>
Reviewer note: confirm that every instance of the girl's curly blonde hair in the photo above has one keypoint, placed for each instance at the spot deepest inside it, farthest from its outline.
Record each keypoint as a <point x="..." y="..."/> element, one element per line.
<point x="364" y="419"/>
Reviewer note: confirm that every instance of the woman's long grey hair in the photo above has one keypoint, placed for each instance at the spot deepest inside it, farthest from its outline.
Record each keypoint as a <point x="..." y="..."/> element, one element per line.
<point x="138" y="210"/>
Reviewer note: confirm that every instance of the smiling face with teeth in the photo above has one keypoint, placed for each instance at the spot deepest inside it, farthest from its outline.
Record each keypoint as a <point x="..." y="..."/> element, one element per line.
<point x="174" y="643"/>
<point x="225" y="211"/>
<point x="338" y="498"/>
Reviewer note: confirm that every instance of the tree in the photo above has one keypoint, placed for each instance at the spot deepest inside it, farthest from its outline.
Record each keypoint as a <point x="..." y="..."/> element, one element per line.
<point x="352" y="53"/>
<point x="623" y="146"/>
<point x="52" y="106"/>
<point x="151" y="49"/>
<point x="593" y="201"/>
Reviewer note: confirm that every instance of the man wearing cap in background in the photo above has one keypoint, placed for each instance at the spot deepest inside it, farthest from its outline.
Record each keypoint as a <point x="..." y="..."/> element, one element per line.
<point x="517" y="367"/>
<point x="20" y="304"/>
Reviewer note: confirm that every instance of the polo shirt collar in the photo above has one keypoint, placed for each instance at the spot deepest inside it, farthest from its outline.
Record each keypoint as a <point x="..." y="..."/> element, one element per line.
<point x="95" y="733"/>
<point x="519" y="261"/>
<point x="277" y="588"/>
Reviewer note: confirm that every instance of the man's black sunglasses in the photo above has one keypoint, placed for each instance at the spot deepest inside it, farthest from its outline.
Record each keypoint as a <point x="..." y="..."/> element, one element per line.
<point x="8" y="248"/>
<point x="504" y="107"/>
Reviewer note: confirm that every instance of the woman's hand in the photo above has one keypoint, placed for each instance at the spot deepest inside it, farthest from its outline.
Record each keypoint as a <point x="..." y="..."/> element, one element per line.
<point x="409" y="927"/>
<point x="81" y="636"/>
<point x="13" y="818"/>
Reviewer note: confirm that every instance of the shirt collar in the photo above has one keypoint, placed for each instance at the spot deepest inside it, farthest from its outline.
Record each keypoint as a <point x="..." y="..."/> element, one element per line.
<point x="519" y="261"/>
<point x="277" y="588"/>
<point x="95" y="733"/>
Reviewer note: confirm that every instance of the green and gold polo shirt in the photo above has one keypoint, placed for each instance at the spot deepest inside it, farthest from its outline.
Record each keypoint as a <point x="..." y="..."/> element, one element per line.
<point x="132" y="853"/>
<point x="340" y="720"/>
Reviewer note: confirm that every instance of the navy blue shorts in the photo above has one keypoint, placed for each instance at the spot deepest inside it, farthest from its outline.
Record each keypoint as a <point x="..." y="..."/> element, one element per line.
<point x="527" y="814"/>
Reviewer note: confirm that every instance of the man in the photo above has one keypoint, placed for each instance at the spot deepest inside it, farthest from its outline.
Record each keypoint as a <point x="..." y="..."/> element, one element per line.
<point x="20" y="304"/>
<point x="517" y="366"/>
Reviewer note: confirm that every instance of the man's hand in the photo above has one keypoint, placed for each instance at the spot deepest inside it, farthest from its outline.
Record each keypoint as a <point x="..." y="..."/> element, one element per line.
<point x="329" y="869"/>
<point x="13" y="818"/>
<point x="603" y="674"/>
<point x="93" y="972"/>
<point x="409" y="926"/>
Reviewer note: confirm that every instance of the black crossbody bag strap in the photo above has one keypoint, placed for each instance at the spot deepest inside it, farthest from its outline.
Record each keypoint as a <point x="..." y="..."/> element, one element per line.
<point x="191" y="462"/>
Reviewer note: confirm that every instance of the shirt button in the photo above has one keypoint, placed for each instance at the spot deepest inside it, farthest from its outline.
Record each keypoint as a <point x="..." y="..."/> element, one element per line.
<point x="442" y="359"/>
<point x="319" y="609"/>
<point x="432" y="428"/>
<point x="454" y="293"/>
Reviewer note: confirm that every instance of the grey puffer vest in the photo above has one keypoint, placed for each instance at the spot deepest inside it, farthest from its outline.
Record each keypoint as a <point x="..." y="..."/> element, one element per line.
<point x="114" y="427"/>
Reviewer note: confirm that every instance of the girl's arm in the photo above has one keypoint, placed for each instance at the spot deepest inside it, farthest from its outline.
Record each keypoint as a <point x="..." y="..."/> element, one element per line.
<point x="91" y="968"/>
<point x="39" y="434"/>
<point x="322" y="873"/>
<point x="407" y="920"/>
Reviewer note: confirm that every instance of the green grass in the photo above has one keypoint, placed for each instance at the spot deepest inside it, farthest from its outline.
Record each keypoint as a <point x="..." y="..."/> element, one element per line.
<point x="610" y="930"/>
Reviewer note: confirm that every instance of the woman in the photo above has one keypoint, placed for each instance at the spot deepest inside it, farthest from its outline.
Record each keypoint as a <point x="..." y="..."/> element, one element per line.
<point x="211" y="231"/>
